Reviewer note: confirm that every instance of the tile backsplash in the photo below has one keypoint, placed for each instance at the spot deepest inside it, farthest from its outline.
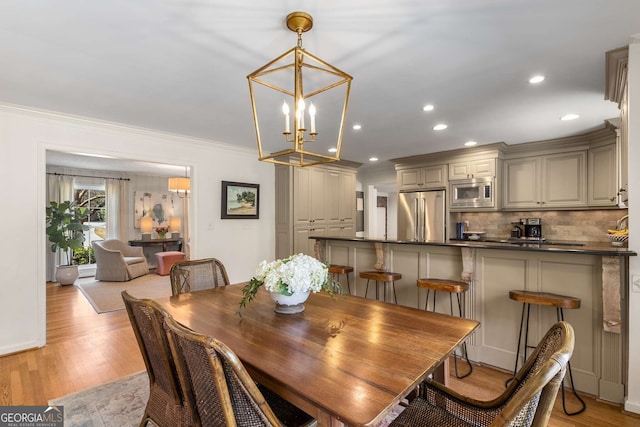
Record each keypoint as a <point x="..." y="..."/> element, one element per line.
<point x="583" y="226"/>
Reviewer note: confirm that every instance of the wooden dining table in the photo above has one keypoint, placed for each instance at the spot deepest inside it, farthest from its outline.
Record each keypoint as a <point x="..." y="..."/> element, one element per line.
<point x="345" y="360"/>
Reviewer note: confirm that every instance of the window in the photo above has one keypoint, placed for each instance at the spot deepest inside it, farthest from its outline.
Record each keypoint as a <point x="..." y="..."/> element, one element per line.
<point x="91" y="197"/>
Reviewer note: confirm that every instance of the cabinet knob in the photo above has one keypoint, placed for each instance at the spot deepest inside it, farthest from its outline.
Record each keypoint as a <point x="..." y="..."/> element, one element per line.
<point x="611" y="199"/>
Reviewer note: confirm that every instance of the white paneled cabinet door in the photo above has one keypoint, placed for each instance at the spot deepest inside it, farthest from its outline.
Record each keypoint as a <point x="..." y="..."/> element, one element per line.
<point x="347" y="197"/>
<point x="603" y="176"/>
<point x="521" y="183"/>
<point x="409" y="179"/>
<point x="317" y="195"/>
<point x="301" y="206"/>
<point x="332" y="202"/>
<point x="564" y="180"/>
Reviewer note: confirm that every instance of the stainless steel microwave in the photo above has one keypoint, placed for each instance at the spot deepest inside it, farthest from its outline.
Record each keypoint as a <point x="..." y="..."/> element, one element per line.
<point x="472" y="193"/>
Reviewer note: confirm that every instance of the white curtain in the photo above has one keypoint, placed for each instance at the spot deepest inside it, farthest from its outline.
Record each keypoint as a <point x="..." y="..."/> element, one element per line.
<point x="116" y="191"/>
<point x="186" y="241"/>
<point x="59" y="189"/>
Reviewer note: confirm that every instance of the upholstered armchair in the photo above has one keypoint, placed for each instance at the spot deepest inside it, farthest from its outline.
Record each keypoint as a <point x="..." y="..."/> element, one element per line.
<point x="118" y="262"/>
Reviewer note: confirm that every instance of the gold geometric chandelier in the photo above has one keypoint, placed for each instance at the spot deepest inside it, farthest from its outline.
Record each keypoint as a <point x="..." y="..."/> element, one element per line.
<point x="296" y="90"/>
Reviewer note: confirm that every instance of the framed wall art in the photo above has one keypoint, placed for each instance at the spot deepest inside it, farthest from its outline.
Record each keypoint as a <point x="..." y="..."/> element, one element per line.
<point x="240" y="200"/>
<point x="158" y="205"/>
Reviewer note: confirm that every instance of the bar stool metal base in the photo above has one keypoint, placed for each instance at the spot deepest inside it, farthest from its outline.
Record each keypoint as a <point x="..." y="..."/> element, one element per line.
<point x="336" y="270"/>
<point x="559" y="302"/>
<point x="451" y="287"/>
<point x="381" y="276"/>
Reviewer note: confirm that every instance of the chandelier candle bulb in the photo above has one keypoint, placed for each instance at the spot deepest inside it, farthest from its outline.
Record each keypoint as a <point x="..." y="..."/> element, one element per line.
<point x="285" y="110"/>
<point x="301" y="108"/>
<point x="312" y="115"/>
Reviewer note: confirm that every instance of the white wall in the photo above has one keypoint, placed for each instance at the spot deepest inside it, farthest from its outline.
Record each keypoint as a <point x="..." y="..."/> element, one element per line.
<point x="374" y="180"/>
<point x="632" y="403"/>
<point x="25" y="135"/>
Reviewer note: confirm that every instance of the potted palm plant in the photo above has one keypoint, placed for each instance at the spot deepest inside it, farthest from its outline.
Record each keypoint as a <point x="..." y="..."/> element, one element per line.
<point x="66" y="233"/>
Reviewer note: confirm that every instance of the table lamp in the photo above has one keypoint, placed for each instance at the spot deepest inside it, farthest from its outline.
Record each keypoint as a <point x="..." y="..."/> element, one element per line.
<point x="146" y="225"/>
<point x="174" y="226"/>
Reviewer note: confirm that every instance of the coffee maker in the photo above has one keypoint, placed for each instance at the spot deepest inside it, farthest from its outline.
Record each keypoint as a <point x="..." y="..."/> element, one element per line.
<point x="532" y="228"/>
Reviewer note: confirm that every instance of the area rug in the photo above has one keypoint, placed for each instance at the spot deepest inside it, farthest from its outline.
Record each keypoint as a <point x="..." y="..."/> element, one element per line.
<point x="105" y="296"/>
<point x="121" y="404"/>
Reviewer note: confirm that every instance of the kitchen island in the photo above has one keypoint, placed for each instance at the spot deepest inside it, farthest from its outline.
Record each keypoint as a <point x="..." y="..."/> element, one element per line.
<point x="597" y="273"/>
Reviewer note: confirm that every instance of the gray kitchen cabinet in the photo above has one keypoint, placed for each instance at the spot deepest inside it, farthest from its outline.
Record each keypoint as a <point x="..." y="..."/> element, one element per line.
<point x="603" y="176"/>
<point x="472" y="169"/>
<point x="421" y="178"/>
<point x="309" y="195"/>
<point x="546" y="182"/>
<point x="301" y="241"/>
<point x="340" y="196"/>
<point x="308" y="201"/>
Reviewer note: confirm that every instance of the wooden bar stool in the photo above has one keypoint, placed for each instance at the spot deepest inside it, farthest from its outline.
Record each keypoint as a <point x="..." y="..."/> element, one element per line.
<point x="560" y="302"/>
<point x="451" y="287"/>
<point x="337" y="270"/>
<point x="386" y="277"/>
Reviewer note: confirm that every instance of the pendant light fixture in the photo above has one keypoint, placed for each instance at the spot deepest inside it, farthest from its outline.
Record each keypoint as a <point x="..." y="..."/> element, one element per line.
<point x="302" y="102"/>
<point x="180" y="185"/>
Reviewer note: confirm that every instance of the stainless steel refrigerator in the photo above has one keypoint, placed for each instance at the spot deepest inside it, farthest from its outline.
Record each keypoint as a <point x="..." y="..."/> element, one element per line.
<point x="421" y="216"/>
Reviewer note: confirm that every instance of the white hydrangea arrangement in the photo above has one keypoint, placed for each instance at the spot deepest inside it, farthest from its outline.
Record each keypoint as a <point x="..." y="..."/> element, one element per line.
<point x="298" y="273"/>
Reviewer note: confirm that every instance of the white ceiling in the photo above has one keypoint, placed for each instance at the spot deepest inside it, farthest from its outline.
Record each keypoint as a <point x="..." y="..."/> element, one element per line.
<point x="181" y="66"/>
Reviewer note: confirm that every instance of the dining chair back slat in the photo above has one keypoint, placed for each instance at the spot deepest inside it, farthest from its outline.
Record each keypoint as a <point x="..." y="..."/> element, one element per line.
<point x="168" y="405"/>
<point x="527" y="401"/>
<point x="224" y="393"/>
<point x="196" y="275"/>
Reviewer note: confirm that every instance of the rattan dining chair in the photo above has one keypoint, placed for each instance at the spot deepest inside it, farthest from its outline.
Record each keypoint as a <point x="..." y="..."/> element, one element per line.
<point x="224" y="393"/>
<point x="168" y="405"/>
<point x="528" y="401"/>
<point x="195" y="275"/>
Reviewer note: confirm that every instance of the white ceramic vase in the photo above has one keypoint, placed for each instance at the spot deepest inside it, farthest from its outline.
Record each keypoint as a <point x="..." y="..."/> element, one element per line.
<point x="289" y="304"/>
<point x="67" y="274"/>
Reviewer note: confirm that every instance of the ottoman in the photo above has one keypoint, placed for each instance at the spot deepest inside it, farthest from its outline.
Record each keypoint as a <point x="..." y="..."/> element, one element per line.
<point x="166" y="260"/>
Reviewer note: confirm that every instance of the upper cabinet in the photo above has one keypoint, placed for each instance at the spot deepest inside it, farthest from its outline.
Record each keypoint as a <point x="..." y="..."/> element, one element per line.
<point x="422" y="178"/>
<point x="546" y="182"/>
<point x="312" y="201"/>
<point x="603" y="174"/>
<point x="340" y="201"/>
<point x="472" y="169"/>
<point x="309" y="195"/>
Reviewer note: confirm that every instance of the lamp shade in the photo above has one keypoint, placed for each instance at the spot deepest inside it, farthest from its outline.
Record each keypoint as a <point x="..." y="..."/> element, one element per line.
<point x="180" y="184"/>
<point x="174" y="223"/>
<point x="146" y="224"/>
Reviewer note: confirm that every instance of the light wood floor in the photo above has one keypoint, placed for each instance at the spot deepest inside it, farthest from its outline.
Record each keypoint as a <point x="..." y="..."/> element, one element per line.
<point x="86" y="349"/>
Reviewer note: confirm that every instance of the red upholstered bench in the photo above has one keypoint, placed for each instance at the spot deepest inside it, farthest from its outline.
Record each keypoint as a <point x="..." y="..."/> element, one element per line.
<point x="166" y="260"/>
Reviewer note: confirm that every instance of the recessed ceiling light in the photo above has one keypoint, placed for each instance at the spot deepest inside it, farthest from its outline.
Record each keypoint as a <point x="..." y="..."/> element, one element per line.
<point x="570" y="117"/>
<point x="536" y="79"/>
<point x="373" y="159"/>
<point x="440" y="126"/>
<point x="470" y="143"/>
<point x="357" y="127"/>
<point x="428" y="107"/>
<point x="333" y="149"/>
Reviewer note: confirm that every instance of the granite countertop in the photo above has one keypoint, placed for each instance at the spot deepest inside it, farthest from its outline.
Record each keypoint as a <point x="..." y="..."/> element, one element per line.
<point x="574" y="247"/>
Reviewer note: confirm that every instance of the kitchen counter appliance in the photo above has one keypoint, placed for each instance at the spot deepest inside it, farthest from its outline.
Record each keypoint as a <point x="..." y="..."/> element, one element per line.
<point x="472" y="193"/>
<point x="528" y="229"/>
<point x="421" y="216"/>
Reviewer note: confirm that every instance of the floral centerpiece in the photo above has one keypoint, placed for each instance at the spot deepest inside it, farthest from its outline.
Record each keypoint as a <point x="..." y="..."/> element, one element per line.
<point x="294" y="277"/>
<point x="162" y="231"/>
